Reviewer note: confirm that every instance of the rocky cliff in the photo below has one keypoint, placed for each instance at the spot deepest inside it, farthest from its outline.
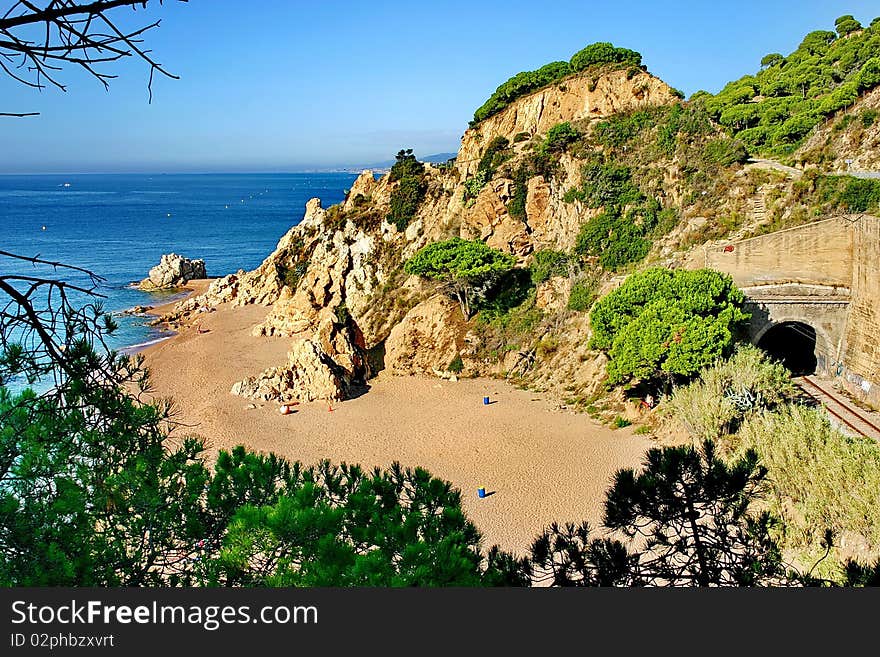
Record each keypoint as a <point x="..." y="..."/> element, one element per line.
<point x="585" y="96"/>
<point x="335" y="284"/>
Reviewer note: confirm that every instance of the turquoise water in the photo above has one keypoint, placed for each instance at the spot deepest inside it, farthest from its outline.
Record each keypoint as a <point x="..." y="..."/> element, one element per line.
<point x="118" y="226"/>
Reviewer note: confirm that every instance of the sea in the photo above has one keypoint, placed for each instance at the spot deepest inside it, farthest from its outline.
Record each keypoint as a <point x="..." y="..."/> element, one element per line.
<point x="119" y="226"/>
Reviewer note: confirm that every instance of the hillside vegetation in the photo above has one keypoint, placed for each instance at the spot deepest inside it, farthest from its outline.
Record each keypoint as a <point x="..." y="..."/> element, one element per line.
<point x="773" y="110"/>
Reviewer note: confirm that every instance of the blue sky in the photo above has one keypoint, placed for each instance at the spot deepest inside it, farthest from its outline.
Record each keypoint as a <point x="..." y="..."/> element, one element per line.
<point x="281" y="85"/>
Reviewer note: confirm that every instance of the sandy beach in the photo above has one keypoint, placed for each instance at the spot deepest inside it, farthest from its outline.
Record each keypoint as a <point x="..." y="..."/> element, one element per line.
<point x="539" y="464"/>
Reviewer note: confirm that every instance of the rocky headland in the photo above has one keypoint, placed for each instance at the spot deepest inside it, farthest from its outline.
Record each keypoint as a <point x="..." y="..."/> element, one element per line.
<point x="173" y="271"/>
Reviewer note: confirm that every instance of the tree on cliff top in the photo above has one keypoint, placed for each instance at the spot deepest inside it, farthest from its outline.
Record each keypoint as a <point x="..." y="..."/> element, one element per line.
<point x="663" y="324"/>
<point x="601" y="53"/>
<point x="407" y="195"/>
<point x="462" y="266"/>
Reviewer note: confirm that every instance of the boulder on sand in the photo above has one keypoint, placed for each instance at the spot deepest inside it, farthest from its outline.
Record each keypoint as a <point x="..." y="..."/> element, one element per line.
<point x="173" y="271"/>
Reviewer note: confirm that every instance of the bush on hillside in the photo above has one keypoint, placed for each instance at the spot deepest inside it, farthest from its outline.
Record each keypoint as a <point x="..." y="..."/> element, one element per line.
<point x="821" y="479"/>
<point x="547" y="263"/>
<point x="614" y="238"/>
<point x="584" y="293"/>
<point x="559" y="137"/>
<point x="405" y="201"/>
<point x="730" y="391"/>
<point x="406" y="166"/>
<point x="848" y="194"/>
<point x="497" y="151"/>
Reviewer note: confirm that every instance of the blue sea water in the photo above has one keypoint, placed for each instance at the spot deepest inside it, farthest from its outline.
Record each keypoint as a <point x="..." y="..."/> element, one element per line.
<point x="118" y="226"/>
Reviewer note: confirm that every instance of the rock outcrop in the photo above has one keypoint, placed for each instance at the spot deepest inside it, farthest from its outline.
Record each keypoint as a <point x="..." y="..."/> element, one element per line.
<point x="173" y="271"/>
<point x="309" y="375"/>
<point x="553" y="293"/>
<point x="361" y="191"/>
<point x="428" y="338"/>
<point x="326" y="366"/>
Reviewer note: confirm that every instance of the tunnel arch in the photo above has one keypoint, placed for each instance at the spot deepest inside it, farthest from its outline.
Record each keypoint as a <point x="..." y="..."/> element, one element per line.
<point x="793" y="343"/>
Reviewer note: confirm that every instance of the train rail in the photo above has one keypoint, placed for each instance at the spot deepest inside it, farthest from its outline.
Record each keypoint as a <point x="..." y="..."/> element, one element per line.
<point x="841" y="410"/>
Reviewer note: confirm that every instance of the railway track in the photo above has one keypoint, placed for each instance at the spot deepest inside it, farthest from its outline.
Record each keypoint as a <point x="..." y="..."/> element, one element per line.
<point x="853" y="419"/>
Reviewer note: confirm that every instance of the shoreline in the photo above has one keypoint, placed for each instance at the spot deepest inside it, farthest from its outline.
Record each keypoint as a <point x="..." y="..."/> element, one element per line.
<point x="539" y="465"/>
<point x="192" y="288"/>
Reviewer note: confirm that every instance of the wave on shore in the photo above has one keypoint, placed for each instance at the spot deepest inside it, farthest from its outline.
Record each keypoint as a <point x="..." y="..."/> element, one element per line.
<point x="135" y="348"/>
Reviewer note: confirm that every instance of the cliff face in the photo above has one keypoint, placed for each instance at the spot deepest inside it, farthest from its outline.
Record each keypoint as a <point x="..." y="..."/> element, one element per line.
<point x="587" y="96"/>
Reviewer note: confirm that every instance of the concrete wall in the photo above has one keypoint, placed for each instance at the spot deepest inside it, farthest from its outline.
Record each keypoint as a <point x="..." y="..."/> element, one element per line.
<point x="820" y="253"/>
<point x="862" y="356"/>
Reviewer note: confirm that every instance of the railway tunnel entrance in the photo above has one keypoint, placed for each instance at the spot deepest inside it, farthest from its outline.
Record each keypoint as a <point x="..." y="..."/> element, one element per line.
<point x="793" y="344"/>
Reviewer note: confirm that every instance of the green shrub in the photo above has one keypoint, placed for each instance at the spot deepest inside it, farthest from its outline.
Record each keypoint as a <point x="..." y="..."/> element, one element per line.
<point x="405" y="201"/>
<point x="602" y="53"/>
<point x="291" y="276"/>
<point x="406" y="166"/>
<point x="512" y="290"/>
<point x="547" y="263"/>
<point x="605" y="184"/>
<point x="511" y="321"/>
<point x="456" y="366"/>
<point x="559" y="137"/>
<point x="583" y="294"/>
<point x="820" y="478"/>
<point x="614" y="239"/>
<point x="848" y="194"/>
<point x="516" y="206"/>
<point x="730" y="391"/>
<point x="869" y="117"/>
<point x="725" y="152"/>
<point x="497" y="151"/>
<point x="411" y="187"/>
<point x="620" y="422"/>
<point x="474" y="184"/>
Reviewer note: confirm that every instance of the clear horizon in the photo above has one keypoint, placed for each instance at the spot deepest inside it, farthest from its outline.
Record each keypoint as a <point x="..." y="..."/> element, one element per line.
<point x="312" y="88"/>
